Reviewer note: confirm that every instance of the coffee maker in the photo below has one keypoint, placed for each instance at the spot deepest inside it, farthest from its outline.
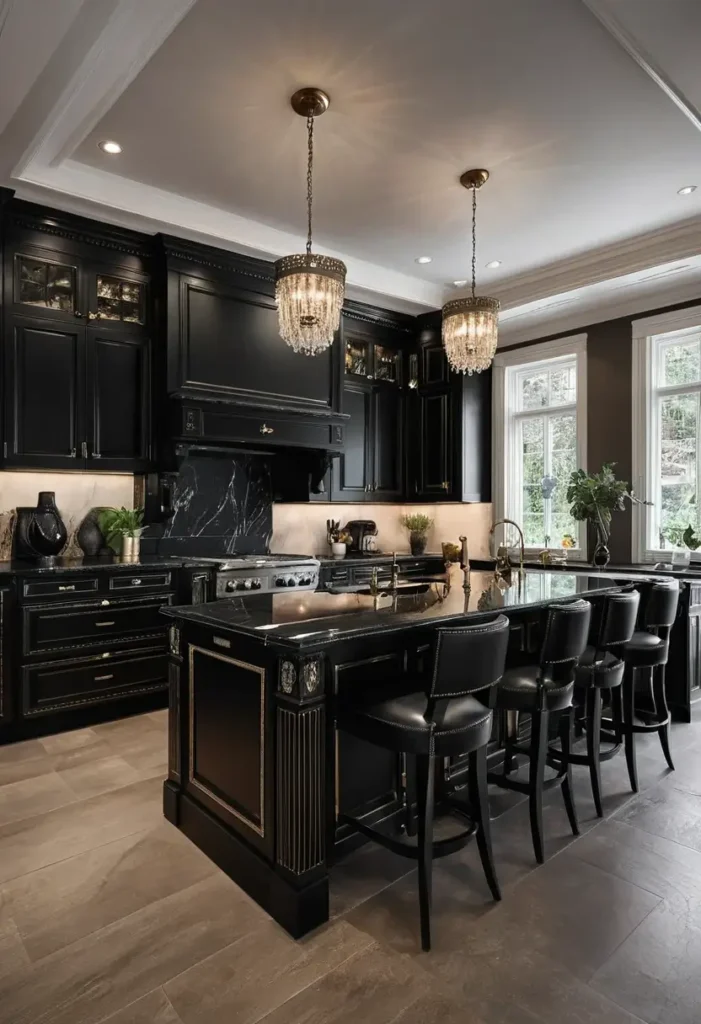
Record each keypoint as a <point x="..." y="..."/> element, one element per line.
<point x="360" y="530"/>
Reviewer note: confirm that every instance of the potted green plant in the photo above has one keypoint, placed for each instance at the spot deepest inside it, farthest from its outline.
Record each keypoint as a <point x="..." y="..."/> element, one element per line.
<point x="122" y="529"/>
<point x="418" y="526"/>
<point x="594" y="498"/>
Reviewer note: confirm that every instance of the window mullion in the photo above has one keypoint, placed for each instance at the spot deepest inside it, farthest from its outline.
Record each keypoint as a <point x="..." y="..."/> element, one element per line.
<point x="547" y="471"/>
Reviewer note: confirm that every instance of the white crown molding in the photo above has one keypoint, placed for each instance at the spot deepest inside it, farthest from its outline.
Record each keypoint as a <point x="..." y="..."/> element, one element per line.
<point x="601" y="9"/>
<point x="595" y="311"/>
<point x="131" y="34"/>
<point x="667" y="323"/>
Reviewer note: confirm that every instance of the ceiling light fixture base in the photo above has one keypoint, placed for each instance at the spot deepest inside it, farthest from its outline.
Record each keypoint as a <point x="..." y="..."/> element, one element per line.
<point x="475" y="178"/>
<point x="310" y="101"/>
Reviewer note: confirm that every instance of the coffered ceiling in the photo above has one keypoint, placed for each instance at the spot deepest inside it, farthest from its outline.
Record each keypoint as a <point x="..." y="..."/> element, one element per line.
<point x="586" y="112"/>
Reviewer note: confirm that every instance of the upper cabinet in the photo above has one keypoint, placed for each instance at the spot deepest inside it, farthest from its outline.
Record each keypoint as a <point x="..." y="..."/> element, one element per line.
<point x="77" y="352"/>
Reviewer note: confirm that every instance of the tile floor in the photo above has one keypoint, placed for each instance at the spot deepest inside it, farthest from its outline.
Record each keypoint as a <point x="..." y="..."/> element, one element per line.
<point x="107" y="913"/>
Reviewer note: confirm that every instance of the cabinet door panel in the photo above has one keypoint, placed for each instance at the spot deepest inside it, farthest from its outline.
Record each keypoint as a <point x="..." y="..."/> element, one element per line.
<point x="230" y="345"/>
<point x="435" y="445"/>
<point x="118" y="414"/>
<point x="352" y="476"/>
<point x="388" y="448"/>
<point x="45" y="382"/>
<point x="44" y="284"/>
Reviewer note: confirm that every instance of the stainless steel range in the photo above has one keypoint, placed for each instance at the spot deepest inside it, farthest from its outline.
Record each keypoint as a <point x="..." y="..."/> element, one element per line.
<point x="263" y="573"/>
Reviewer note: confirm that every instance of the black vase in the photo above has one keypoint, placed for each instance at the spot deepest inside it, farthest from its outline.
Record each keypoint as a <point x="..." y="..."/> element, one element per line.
<point x="40" y="533"/>
<point x="417" y="543"/>
<point x="90" y="537"/>
<point x="602" y="555"/>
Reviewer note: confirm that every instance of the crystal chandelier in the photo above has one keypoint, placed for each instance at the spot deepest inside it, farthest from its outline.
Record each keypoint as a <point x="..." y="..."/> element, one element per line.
<point x="470" y="324"/>
<point x="309" y="288"/>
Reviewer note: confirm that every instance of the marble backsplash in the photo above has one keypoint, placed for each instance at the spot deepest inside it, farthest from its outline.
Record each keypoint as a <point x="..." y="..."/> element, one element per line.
<point x="301" y="529"/>
<point x="223" y="506"/>
<point x="76" y="494"/>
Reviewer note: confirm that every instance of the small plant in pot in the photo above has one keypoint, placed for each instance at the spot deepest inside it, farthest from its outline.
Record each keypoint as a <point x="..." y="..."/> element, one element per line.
<point x="418" y="526"/>
<point x="122" y="529"/>
<point x="594" y="498"/>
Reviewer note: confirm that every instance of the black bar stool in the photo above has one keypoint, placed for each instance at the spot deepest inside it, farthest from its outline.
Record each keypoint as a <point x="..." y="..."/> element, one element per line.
<point x="540" y="690"/>
<point x="648" y="649"/>
<point x="601" y="668"/>
<point x="445" y="720"/>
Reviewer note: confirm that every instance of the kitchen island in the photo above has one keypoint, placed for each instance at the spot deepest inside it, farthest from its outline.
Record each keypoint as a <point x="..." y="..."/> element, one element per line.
<point x="258" y="776"/>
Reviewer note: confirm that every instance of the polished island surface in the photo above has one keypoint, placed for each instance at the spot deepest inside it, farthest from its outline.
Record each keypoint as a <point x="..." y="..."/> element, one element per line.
<point x="259" y="777"/>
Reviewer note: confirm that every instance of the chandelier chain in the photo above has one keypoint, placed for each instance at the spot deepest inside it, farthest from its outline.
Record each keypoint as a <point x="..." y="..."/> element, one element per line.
<point x="310" y="167"/>
<point x="474" y="238"/>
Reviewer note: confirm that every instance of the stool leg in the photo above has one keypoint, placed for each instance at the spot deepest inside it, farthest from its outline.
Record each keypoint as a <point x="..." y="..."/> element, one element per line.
<point x="628" y="722"/>
<point x="539" y="749"/>
<point x="425" y="779"/>
<point x="617" y="712"/>
<point x="566" y="742"/>
<point x="594" y="744"/>
<point x="662" y="711"/>
<point x="479" y="805"/>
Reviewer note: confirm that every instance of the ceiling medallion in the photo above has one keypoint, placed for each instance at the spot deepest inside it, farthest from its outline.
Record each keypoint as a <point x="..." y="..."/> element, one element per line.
<point x="470" y="324"/>
<point x="309" y="288"/>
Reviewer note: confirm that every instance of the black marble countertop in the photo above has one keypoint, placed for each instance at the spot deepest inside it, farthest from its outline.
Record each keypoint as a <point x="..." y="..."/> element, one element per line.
<point x="18" y="567"/>
<point x="316" y="618"/>
<point x="635" y="569"/>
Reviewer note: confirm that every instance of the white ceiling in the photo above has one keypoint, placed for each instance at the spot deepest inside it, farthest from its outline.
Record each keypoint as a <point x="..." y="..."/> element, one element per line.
<point x="585" y="112"/>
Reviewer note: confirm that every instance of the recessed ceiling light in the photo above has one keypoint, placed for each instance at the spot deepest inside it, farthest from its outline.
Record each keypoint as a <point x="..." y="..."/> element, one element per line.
<point x="687" y="190"/>
<point x="460" y="284"/>
<point x="109" y="146"/>
<point x="423" y="259"/>
<point x="493" y="264"/>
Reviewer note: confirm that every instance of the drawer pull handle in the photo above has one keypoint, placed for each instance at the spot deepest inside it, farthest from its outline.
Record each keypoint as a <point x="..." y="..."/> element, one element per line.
<point x="110" y="622"/>
<point x="220" y="641"/>
<point x="71" y="587"/>
<point x="103" y="679"/>
<point x="135" y="583"/>
<point x="105" y="602"/>
<point x="265" y="429"/>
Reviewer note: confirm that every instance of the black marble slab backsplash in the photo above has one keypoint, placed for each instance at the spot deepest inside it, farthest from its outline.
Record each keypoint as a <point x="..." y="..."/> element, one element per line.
<point x="223" y="506"/>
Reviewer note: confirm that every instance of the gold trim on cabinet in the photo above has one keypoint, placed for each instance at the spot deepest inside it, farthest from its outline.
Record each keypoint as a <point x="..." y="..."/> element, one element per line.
<point x="192" y="648"/>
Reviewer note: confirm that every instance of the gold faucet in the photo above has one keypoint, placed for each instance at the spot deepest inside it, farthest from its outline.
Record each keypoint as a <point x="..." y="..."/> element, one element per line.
<point x="503" y="561"/>
<point x="464" y="563"/>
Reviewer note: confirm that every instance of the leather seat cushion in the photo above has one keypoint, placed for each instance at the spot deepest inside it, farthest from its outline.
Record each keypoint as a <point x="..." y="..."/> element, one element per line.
<point x="645" y="650"/>
<point x="519" y="691"/>
<point x="606" y="671"/>
<point x="399" y="724"/>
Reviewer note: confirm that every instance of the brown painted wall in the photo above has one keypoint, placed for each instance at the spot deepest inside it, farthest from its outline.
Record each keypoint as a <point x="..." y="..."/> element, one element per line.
<point x="609" y="405"/>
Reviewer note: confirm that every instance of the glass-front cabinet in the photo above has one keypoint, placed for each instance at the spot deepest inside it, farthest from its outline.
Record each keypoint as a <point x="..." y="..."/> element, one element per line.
<point x="370" y="360"/>
<point x="62" y="286"/>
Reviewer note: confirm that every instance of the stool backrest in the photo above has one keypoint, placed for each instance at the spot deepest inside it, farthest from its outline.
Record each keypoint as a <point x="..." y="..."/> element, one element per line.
<point x="566" y="634"/>
<point x="661" y="607"/>
<point x="469" y="658"/>
<point x="618" y="618"/>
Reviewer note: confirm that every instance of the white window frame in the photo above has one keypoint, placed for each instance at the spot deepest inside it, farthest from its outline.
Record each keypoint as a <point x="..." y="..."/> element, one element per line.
<point x="505" y="463"/>
<point x="647" y="336"/>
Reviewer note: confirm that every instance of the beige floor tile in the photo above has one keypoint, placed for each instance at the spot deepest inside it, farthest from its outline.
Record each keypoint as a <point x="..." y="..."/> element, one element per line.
<point x="28" y="750"/>
<point x="126" y="729"/>
<point x="84" y="825"/>
<point x="13" y="955"/>
<point x="25" y="799"/>
<point x="106" y="971"/>
<point x="373" y="986"/>
<point x="249" y="979"/>
<point x="153" y="1008"/>
<point x="60" y="904"/>
<point x="65" y="741"/>
<point x="100" y="776"/>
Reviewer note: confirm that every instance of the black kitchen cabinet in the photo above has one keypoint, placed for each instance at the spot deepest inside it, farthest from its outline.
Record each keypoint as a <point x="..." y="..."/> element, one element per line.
<point x="6" y="632"/>
<point x="449" y="423"/>
<point x="372" y="465"/>
<point x="76" y="341"/>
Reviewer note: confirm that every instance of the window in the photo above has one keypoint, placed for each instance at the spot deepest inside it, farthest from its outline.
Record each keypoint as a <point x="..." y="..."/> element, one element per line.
<point x="666" y="430"/>
<point x="539" y="432"/>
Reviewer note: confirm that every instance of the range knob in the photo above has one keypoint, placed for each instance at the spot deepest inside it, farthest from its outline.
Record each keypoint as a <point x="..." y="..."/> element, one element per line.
<point x="247" y="584"/>
<point x="280" y="581"/>
<point x="291" y="581"/>
<point x="305" y="581"/>
<point x="256" y="584"/>
<point x="230" y="585"/>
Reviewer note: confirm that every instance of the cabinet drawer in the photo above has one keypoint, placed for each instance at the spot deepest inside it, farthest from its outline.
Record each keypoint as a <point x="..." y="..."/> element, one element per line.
<point x="364" y="573"/>
<point x="60" y="587"/>
<point x="267" y="428"/>
<point x="54" y="686"/>
<point x="140" y="581"/>
<point x="63" y="629"/>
